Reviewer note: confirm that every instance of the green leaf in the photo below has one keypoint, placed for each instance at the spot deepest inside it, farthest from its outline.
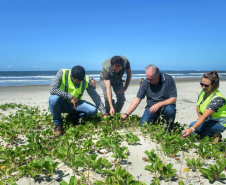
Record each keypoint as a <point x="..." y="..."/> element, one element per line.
<point x="221" y="176"/>
<point x="109" y="172"/>
<point x="72" y="181"/>
<point x="98" y="183"/>
<point x="10" y="171"/>
<point x="55" y="165"/>
<point x="210" y="178"/>
<point x="221" y="168"/>
<point x="181" y="183"/>
<point x="155" y="166"/>
<point x="3" y="157"/>
<point x="205" y="171"/>
<point x="4" y="170"/>
<point x="149" y="168"/>
<point x="63" y="183"/>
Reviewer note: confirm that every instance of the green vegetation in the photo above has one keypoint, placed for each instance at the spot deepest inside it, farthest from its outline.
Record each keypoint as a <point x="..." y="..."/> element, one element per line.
<point x="30" y="149"/>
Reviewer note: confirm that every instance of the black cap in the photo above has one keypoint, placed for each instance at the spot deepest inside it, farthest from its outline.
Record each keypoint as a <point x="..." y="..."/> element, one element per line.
<point x="78" y="72"/>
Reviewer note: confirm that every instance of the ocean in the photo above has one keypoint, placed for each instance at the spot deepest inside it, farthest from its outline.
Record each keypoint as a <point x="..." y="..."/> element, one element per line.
<point x="26" y="78"/>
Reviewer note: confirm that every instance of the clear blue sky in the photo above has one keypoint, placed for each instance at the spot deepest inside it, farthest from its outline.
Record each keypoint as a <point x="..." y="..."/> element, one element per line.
<point x="54" y="34"/>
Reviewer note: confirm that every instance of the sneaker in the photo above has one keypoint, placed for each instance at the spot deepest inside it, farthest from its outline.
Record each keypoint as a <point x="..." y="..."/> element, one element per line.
<point x="58" y="130"/>
<point x="217" y="138"/>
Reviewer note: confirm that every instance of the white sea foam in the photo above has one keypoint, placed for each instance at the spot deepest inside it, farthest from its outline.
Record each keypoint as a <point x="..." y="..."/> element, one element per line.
<point x="32" y="77"/>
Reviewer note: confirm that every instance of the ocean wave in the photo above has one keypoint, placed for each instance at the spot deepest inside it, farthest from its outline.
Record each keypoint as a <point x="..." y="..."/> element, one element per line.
<point x="18" y="81"/>
<point x="32" y="77"/>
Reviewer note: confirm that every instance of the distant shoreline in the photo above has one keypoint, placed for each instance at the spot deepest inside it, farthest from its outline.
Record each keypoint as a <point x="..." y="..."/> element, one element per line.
<point x="133" y="81"/>
<point x="37" y="78"/>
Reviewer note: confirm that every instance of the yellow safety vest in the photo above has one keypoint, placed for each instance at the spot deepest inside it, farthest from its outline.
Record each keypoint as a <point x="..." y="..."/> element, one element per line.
<point x="68" y="86"/>
<point x="221" y="113"/>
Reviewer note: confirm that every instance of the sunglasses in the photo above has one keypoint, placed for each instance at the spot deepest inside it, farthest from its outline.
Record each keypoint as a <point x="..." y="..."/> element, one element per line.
<point x="205" y="85"/>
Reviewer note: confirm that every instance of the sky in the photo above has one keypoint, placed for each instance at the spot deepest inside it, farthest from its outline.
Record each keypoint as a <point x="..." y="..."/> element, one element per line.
<point x="171" y="34"/>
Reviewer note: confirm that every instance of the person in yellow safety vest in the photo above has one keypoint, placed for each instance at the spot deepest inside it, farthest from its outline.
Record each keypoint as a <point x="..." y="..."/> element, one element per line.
<point x="211" y="109"/>
<point x="66" y="97"/>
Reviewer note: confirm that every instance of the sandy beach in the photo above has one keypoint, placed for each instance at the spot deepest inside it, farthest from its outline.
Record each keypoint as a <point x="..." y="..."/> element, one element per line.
<point x="187" y="92"/>
<point x="186" y="103"/>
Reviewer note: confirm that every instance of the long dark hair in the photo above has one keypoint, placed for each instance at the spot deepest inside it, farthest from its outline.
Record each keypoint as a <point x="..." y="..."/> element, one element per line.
<point x="214" y="78"/>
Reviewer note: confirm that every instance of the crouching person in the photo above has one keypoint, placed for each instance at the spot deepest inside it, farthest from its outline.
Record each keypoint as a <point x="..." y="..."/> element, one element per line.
<point x="160" y="90"/>
<point x="66" y="96"/>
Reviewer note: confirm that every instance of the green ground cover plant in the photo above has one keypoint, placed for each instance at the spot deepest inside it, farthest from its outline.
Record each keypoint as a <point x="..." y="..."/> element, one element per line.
<point x="28" y="148"/>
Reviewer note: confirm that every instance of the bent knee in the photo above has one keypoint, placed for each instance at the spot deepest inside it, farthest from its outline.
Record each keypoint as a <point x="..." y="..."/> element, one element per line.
<point x="54" y="99"/>
<point x="170" y="109"/>
<point x="92" y="111"/>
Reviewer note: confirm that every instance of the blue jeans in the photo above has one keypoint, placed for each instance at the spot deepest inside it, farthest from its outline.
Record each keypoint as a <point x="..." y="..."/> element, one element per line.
<point x="168" y="112"/>
<point x="120" y="97"/>
<point x="208" y="128"/>
<point x="58" y="105"/>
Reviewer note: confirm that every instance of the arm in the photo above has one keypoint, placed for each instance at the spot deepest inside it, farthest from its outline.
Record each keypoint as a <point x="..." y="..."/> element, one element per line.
<point x="55" y="87"/>
<point x="109" y="96"/>
<point x="214" y="105"/>
<point x="132" y="107"/>
<point x="157" y="106"/>
<point x="128" y="79"/>
<point x="172" y="96"/>
<point x="206" y="114"/>
<point x="96" y="99"/>
<point x="198" y="113"/>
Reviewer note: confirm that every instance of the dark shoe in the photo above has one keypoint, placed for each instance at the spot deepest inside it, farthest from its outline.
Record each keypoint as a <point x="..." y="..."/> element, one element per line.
<point x="58" y="130"/>
<point x="217" y="138"/>
<point x="82" y="122"/>
<point x="70" y="119"/>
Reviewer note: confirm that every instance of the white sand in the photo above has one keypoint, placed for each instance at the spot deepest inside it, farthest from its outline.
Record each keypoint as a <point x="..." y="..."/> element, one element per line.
<point x="38" y="96"/>
<point x="186" y="104"/>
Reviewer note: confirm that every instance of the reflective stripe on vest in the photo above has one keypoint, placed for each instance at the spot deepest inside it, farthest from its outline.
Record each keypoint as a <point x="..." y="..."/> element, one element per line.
<point x="68" y="86"/>
<point x="66" y="81"/>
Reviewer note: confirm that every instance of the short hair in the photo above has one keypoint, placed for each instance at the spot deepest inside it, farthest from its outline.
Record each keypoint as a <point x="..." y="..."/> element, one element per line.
<point x="78" y="72"/>
<point x="117" y="60"/>
<point x="214" y="79"/>
<point x="155" y="69"/>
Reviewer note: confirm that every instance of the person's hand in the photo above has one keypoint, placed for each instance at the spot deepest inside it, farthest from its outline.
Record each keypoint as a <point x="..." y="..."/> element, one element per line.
<point x="112" y="111"/>
<point x="186" y="132"/>
<point x="75" y="102"/>
<point x="105" y="115"/>
<point x="124" y="117"/>
<point x="154" y="108"/>
<point x="121" y="90"/>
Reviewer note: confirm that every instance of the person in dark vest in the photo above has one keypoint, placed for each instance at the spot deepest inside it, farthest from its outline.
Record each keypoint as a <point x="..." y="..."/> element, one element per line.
<point x="66" y="96"/>
<point x="160" y="90"/>
<point x="142" y="79"/>
<point x="211" y="109"/>
<point x="111" y="76"/>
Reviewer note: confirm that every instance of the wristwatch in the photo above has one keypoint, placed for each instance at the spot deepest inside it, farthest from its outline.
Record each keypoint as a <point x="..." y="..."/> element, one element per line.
<point x="126" y="114"/>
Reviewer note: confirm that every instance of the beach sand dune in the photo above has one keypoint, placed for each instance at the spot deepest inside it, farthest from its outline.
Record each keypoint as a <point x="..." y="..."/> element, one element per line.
<point x="186" y="112"/>
<point x="187" y="90"/>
